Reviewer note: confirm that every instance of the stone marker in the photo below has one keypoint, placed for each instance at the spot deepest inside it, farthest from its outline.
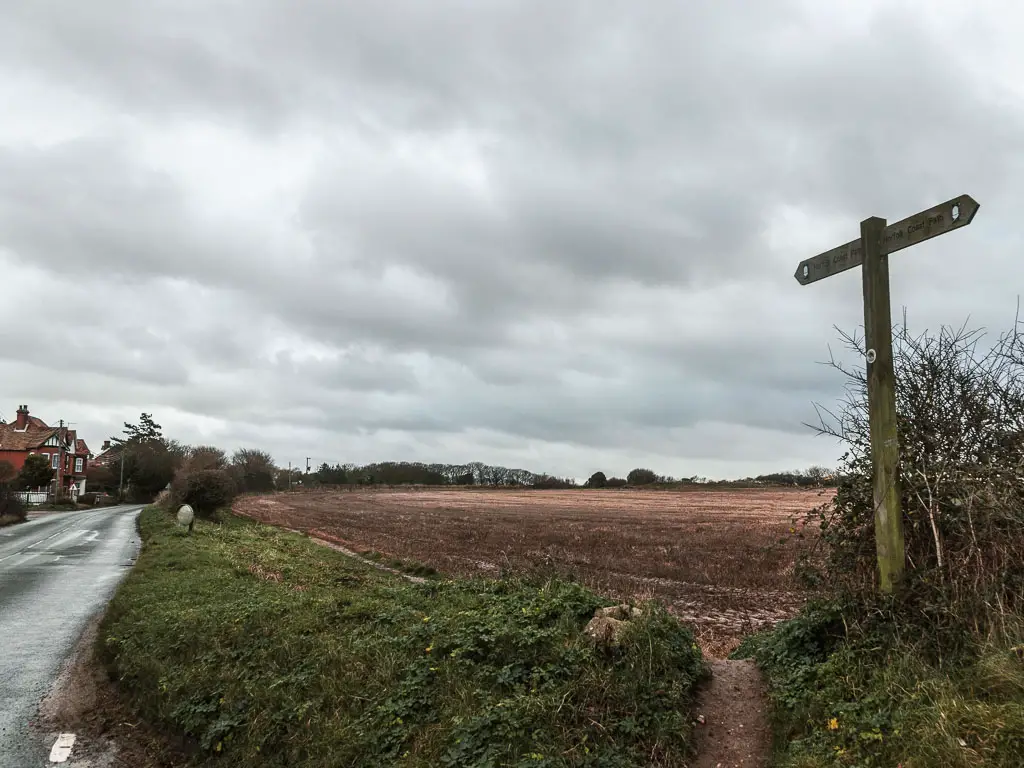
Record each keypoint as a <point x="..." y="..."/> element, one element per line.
<point x="186" y="516"/>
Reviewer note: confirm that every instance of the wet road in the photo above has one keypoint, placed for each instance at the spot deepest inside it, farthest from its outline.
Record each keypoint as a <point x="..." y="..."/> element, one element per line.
<point x="55" y="573"/>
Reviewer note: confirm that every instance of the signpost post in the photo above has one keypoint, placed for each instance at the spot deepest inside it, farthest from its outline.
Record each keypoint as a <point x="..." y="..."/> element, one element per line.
<point x="870" y="251"/>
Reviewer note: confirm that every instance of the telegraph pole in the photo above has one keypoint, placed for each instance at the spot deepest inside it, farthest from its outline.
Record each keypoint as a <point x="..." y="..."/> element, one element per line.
<point x="60" y="462"/>
<point x="120" y="485"/>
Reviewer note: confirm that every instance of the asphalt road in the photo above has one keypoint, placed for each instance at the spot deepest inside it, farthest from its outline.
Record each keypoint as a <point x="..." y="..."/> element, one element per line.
<point x="56" y="572"/>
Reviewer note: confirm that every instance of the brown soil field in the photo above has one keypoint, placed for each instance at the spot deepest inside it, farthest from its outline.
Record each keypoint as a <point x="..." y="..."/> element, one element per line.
<point x="722" y="560"/>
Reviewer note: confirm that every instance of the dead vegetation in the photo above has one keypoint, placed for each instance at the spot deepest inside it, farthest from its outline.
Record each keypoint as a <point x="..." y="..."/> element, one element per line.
<point x="722" y="560"/>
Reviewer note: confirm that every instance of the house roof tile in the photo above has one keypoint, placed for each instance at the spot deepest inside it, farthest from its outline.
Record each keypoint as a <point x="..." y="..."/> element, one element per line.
<point x="33" y="437"/>
<point x="105" y="457"/>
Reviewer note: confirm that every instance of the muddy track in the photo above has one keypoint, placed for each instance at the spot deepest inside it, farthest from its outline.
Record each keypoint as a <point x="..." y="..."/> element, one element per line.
<point x="733" y="704"/>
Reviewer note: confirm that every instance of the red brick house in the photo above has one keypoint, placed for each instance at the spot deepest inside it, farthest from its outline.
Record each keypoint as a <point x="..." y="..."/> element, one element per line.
<point x="107" y="456"/>
<point x="67" y="453"/>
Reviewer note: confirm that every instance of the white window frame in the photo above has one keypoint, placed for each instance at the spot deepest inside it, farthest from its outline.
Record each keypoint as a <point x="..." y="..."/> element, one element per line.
<point x="55" y="461"/>
<point x="78" y="466"/>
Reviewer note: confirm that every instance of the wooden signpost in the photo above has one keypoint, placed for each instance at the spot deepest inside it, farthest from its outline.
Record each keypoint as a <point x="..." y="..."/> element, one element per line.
<point x="876" y="242"/>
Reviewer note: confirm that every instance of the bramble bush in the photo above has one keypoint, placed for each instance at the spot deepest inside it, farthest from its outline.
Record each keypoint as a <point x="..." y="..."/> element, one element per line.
<point x="932" y="675"/>
<point x="11" y="508"/>
<point x="961" y="434"/>
<point x="206" y="491"/>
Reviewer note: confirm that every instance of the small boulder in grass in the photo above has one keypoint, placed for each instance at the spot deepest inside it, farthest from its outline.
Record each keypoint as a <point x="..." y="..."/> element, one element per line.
<point x="623" y="612"/>
<point x="609" y="623"/>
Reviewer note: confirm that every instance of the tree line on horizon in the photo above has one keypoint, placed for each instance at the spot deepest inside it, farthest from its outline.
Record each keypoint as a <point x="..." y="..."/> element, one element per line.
<point x="478" y="473"/>
<point x="147" y="463"/>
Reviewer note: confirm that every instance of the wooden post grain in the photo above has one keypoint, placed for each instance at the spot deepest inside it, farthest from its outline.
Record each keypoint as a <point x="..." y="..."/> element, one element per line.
<point x="889" y="542"/>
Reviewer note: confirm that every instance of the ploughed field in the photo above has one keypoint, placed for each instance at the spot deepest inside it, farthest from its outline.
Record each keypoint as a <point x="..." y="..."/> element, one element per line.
<point x="722" y="560"/>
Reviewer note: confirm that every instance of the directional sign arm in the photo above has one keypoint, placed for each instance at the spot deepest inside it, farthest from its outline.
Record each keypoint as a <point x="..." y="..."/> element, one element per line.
<point x="846" y="256"/>
<point x="942" y="218"/>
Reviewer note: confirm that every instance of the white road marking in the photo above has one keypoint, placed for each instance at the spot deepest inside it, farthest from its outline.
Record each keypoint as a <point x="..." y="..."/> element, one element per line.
<point x="62" y="748"/>
<point x="37" y="543"/>
<point x="54" y="536"/>
<point x="28" y="556"/>
<point x="67" y="539"/>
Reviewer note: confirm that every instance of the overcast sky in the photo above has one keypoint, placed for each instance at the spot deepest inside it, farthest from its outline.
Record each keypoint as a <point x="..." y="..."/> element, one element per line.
<point x="551" y="235"/>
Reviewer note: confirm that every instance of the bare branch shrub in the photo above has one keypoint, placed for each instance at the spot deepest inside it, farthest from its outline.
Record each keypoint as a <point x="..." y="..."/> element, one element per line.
<point x="960" y="407"/>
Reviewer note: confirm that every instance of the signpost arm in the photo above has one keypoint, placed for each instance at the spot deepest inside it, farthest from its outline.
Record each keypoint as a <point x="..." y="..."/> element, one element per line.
<point x="889" y="541"/>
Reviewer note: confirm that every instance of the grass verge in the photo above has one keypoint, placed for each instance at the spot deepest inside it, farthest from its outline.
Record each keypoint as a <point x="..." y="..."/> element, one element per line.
<point x="846" y="691"/>
<point x="262" y="647"/>
<point x="410" y="567"/>
<point x="10" y="520"/>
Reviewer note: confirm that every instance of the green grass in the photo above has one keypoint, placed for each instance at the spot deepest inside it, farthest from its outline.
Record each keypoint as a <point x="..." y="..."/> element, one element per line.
<point x="262" y="647"/>
<point x="411" y="567"/>
<point x="855" y="695"/>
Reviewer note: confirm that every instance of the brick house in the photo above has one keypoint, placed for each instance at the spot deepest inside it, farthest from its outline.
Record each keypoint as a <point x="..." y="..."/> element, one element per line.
<point x="67" y="454"/>
<point x="107" y="456"/>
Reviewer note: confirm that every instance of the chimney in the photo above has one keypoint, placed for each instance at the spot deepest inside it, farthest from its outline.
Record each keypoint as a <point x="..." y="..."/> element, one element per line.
<point x="106" y="445"/>
<point x="22" y="422"/>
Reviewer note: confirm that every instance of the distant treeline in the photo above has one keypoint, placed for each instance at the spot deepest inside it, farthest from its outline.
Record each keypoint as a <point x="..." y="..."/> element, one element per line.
<point x="417" y="473"/>
<point x="478" y="473"/>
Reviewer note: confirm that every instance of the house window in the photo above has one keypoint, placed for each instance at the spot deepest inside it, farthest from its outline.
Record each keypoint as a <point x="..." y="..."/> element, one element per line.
<point x="54" y="461"/>
<point x="78" y="466"/>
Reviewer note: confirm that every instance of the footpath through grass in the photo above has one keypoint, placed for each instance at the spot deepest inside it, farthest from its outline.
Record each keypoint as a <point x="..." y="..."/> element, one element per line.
<point x="261" y="647"/>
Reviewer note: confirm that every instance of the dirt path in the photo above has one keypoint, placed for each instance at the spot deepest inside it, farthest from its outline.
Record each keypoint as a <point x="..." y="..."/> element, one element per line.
<point x="736" y="733"/>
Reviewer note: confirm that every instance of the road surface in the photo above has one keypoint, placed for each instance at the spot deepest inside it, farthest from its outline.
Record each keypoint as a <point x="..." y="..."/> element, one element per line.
<point x="56" y="571"/>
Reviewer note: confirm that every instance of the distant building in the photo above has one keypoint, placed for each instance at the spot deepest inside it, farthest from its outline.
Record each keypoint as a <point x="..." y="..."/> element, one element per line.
<point x="108" y="455"/>
<point x="67" y="454"/>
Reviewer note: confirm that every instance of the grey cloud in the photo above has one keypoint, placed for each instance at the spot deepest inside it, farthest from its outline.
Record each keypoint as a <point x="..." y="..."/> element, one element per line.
<point x="136" y="55"/>
<point x="524" y="227"/>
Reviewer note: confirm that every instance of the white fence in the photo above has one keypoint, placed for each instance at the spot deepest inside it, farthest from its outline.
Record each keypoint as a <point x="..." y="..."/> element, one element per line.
<point x="33" y="497"/>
